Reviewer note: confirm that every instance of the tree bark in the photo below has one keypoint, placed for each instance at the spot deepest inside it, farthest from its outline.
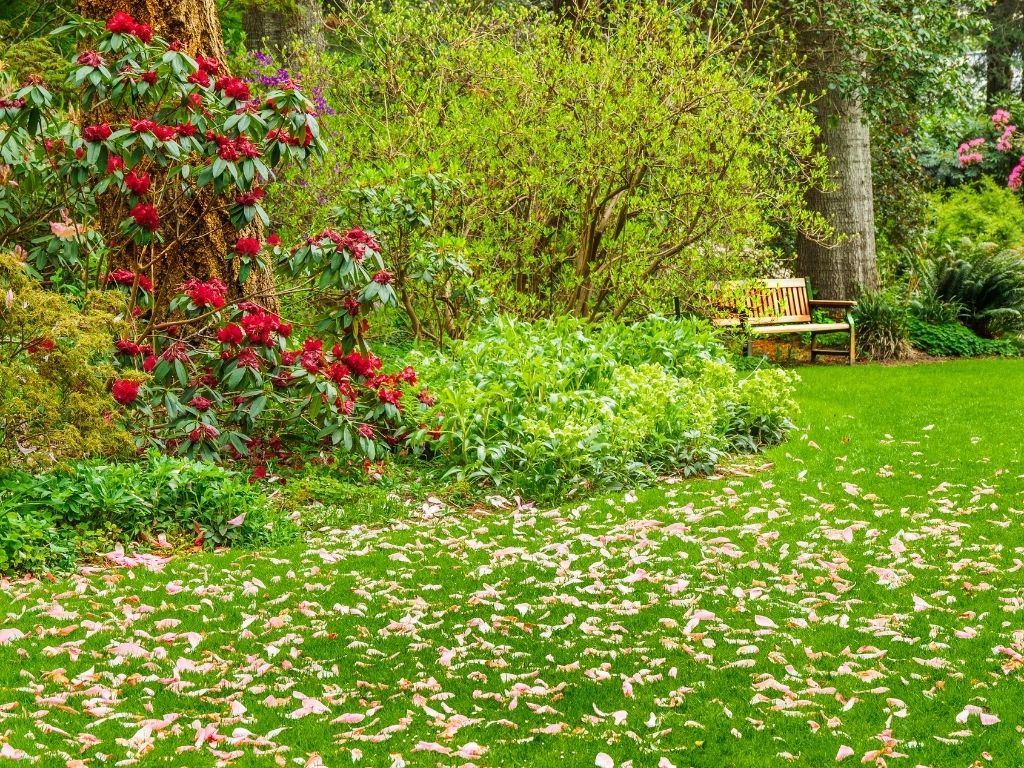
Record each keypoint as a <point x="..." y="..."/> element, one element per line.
<point x="999" y="52"/>
<point x="840" y="270"/>
<point x="273" y="30"/>
<point x="197" y="244"/>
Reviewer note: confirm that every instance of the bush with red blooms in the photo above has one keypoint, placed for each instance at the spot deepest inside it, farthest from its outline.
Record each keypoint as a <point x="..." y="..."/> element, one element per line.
<point x="233" y="381"/>
<point x="221" y="380"/>
<point x="184" y="128"/>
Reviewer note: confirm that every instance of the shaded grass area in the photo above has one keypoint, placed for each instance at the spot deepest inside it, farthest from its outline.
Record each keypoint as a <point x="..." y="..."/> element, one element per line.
<point x="862" y="593"/>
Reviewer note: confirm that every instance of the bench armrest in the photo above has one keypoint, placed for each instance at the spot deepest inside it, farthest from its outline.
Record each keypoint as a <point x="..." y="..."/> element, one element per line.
<point x="832" y="303"/>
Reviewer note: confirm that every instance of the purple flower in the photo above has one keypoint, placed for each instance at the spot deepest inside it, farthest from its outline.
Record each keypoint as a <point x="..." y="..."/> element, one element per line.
<point x="320" y="102"/>
<point x="263" y="59"/>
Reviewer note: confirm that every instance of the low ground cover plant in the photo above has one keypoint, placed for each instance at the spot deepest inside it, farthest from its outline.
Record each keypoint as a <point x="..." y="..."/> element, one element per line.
<point x="549" y="405"/>
<point x="49" y="519"/>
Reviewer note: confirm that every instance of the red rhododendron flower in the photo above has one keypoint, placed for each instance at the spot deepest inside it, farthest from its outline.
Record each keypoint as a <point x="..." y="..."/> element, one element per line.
<point x="94" y="133"/>
<point x="208" y="294"/>
<point x="127" y="277"/>
<point x="247" y="246"/>
<point x="149" y="77"/>
<point x="425" y="397"/>
<point x="142" y="126"/>
<point x="138" y="184"/>
<point x="149" y="363"/>
<point x="125" y="391"/>
<point x="199" y="78"/>
<point x="131" y="348"/>
<point x="186" y="129"/>
<point x="201" y="403"/>
<point x="391" y="396"/>
<point x="274" y="240"/>
<point x="114" y="163"/>
<point x="251" y="197"/>
<point x="121" y="22"/>
<point x="208" y="65"/>
<point x="247" y="358"/>
<point x="360" y="365"/>
<point x="146" y="216"/>
<point x="164" y="132"/>
<point x="383" y="277"/>
<point x="89" y="59"/>
<point x="230" y="334"/>
<point x="408" y="375"/>
<point x="234" y="88"/>
<point x="143" y="31"/>
<point x="203" y="432"/>
<point x="285" y="329"/>
<point x="365" y="430"/>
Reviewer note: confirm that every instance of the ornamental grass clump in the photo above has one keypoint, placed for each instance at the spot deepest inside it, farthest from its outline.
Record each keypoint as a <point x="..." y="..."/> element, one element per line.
<point x="555" y="404"/>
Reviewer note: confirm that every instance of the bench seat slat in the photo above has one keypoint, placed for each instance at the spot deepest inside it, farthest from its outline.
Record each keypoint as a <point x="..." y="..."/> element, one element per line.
<point x="800" y="328"/>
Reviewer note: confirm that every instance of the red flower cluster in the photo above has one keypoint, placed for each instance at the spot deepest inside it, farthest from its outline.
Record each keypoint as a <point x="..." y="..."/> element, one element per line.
<point x="248" y="358"/>
<point x="231" y="333"/>
<point x="162" y="132"/>
<point x="123" y="23"/>
<point x="209" y="65"/>
<point x="251" y="197"/>
<point x="365" y="366"/>
<point x="133" y="349"/>
<point x="383" y="277"/>
<point x="125" y="391"/>
<point x="200" y="403"/>
<point x="259" y="325"/>
<point x="94" y="133"/>
<point x="274" y="240"/>
<point x="127" y="277"/>
<point x="233" y="88"/>
<point x="208" y="294"/>
<point x="114" y="163"/>
<point x="203" y="432"/>
<point x="247" y="246"/>
<point x="232" y="149"/>
<point x="149" y="77"/>
<point x="279" y="134"/>
<point x="146" y="216"/>
<point x="40" y="345"/>
<point x="89" y="59"/>
<point x="138" y="184"/>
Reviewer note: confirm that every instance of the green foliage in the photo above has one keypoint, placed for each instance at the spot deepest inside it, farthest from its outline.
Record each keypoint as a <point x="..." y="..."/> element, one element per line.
<point x="956" y="340"/>
<point x="882" y="325"/>
<point x="37" y="56"/>
<point x="55" y="365"/>
<point x="558" y="403"/>
<point x="89" y="505"/>
<point x="605" y="167"/>
<point x="985" y="283"/>
<point x="982" y="213"/>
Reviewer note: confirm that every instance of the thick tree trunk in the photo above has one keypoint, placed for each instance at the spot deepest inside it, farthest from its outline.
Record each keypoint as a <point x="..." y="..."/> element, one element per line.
<point x="273" y="30"/>
<point x="840" y="270"/>
<point x="999" y="52"/>
<point x="197" y="244"/>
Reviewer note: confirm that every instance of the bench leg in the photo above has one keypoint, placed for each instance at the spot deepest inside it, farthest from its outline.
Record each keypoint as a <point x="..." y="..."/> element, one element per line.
<point x="748" y="348"/>
<point x="853" y="344"/>
<point x="814" y="346"/>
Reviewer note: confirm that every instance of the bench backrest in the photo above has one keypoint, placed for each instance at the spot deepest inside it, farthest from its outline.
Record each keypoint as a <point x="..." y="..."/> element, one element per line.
<point x="765" y="302"/>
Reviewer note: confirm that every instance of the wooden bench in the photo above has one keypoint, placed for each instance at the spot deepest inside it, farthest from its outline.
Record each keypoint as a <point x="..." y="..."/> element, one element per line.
<point x="769" y="307"/>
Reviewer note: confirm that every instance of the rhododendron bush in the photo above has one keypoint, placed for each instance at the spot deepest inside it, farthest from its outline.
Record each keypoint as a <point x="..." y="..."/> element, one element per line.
<point x="203" y="369"/>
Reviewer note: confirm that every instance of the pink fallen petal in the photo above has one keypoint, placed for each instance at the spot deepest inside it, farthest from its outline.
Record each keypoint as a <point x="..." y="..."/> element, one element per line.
<point x="236" y="521"/>
<point x="7" y="636"/>
<point x="604" y="760"/>
<point x="843" y="753"/>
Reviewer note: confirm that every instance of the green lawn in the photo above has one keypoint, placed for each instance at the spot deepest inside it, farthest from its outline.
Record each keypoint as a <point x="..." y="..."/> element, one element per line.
<point x="865" y="590"/>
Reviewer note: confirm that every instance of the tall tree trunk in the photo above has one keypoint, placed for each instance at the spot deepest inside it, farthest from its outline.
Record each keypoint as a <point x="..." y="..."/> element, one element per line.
<point x="273" y="30"/>
<point x="999" y="52"/>
<point x="840" y="270"/>
<point x="197" y="246"/>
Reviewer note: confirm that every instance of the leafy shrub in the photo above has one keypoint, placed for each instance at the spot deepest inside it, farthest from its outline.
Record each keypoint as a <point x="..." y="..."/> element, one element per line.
<point x="882" y="325"/>
<point x="985" y="283"/>
<point x="928" y="307"/>
<point x="55" y="365"/>
<point x="679" y="163"/>
<point x="124" y="502"/>
<point x="36" y="56"/>
<point x="982" y="213"/>
<point x="556" y="403"/>
<point x="956" y="340"/>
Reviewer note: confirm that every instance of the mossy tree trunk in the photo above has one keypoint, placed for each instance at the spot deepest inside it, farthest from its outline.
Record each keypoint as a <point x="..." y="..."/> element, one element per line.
<point x="272" y="26"/>
<point x="198" y="235"/>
